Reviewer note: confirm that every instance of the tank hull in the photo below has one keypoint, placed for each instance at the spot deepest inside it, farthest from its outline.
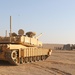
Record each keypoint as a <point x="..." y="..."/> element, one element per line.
<point x="19" y="54"/>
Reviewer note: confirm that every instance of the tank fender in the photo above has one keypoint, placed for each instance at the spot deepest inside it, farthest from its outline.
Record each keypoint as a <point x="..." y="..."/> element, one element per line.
<point x="50" y="52"/>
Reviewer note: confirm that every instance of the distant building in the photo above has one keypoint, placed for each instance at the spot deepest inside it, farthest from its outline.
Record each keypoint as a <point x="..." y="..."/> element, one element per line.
<point x="53" y="46"/>
<point x="59" y="46"/>
<point x="67" y="47"/>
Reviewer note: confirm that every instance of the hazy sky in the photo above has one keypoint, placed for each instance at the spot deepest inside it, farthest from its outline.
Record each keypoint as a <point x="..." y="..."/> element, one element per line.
<point x="54" y="18"/>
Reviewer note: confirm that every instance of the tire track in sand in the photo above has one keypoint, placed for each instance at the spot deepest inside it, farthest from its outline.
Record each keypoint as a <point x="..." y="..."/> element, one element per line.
<point x="53" y="71"/>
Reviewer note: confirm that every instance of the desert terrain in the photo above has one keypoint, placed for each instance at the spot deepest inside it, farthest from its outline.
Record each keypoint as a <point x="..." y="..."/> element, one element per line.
<point x="61" y="62"/>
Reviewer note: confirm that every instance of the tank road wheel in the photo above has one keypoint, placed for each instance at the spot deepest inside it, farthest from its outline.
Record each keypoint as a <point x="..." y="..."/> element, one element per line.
<point x="14" y="55"/>
<point x="34" y="58"/>
<point x="22" y="60"/>
<point x="46" y="57"/>
<point x="26" y="59"/>
<point x="38" y="58"/>
<point x="30" y="59"/>
<point x="41" y="57"/>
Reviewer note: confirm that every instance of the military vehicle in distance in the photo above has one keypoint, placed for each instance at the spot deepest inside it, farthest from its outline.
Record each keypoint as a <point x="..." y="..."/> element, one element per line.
<point x="19" y="48"/>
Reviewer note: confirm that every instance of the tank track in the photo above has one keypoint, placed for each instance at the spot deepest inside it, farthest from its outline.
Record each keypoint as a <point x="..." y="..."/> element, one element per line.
<point x="23" y="60"/>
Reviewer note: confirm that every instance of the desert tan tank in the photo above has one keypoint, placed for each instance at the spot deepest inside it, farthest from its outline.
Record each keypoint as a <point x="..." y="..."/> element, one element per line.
<point x="19" y="48"/>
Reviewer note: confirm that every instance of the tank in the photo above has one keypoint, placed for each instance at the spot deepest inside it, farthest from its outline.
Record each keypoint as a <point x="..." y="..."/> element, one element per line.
<point x="22" y="48"/>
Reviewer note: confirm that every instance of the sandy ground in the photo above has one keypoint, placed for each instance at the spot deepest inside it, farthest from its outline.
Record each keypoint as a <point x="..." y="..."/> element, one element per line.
<point x="59" y="63"/>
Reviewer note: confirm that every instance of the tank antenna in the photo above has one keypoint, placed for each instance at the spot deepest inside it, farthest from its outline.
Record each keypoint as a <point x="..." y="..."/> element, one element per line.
<point x="6" y="33"/>
<point x="10" y="29"/>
